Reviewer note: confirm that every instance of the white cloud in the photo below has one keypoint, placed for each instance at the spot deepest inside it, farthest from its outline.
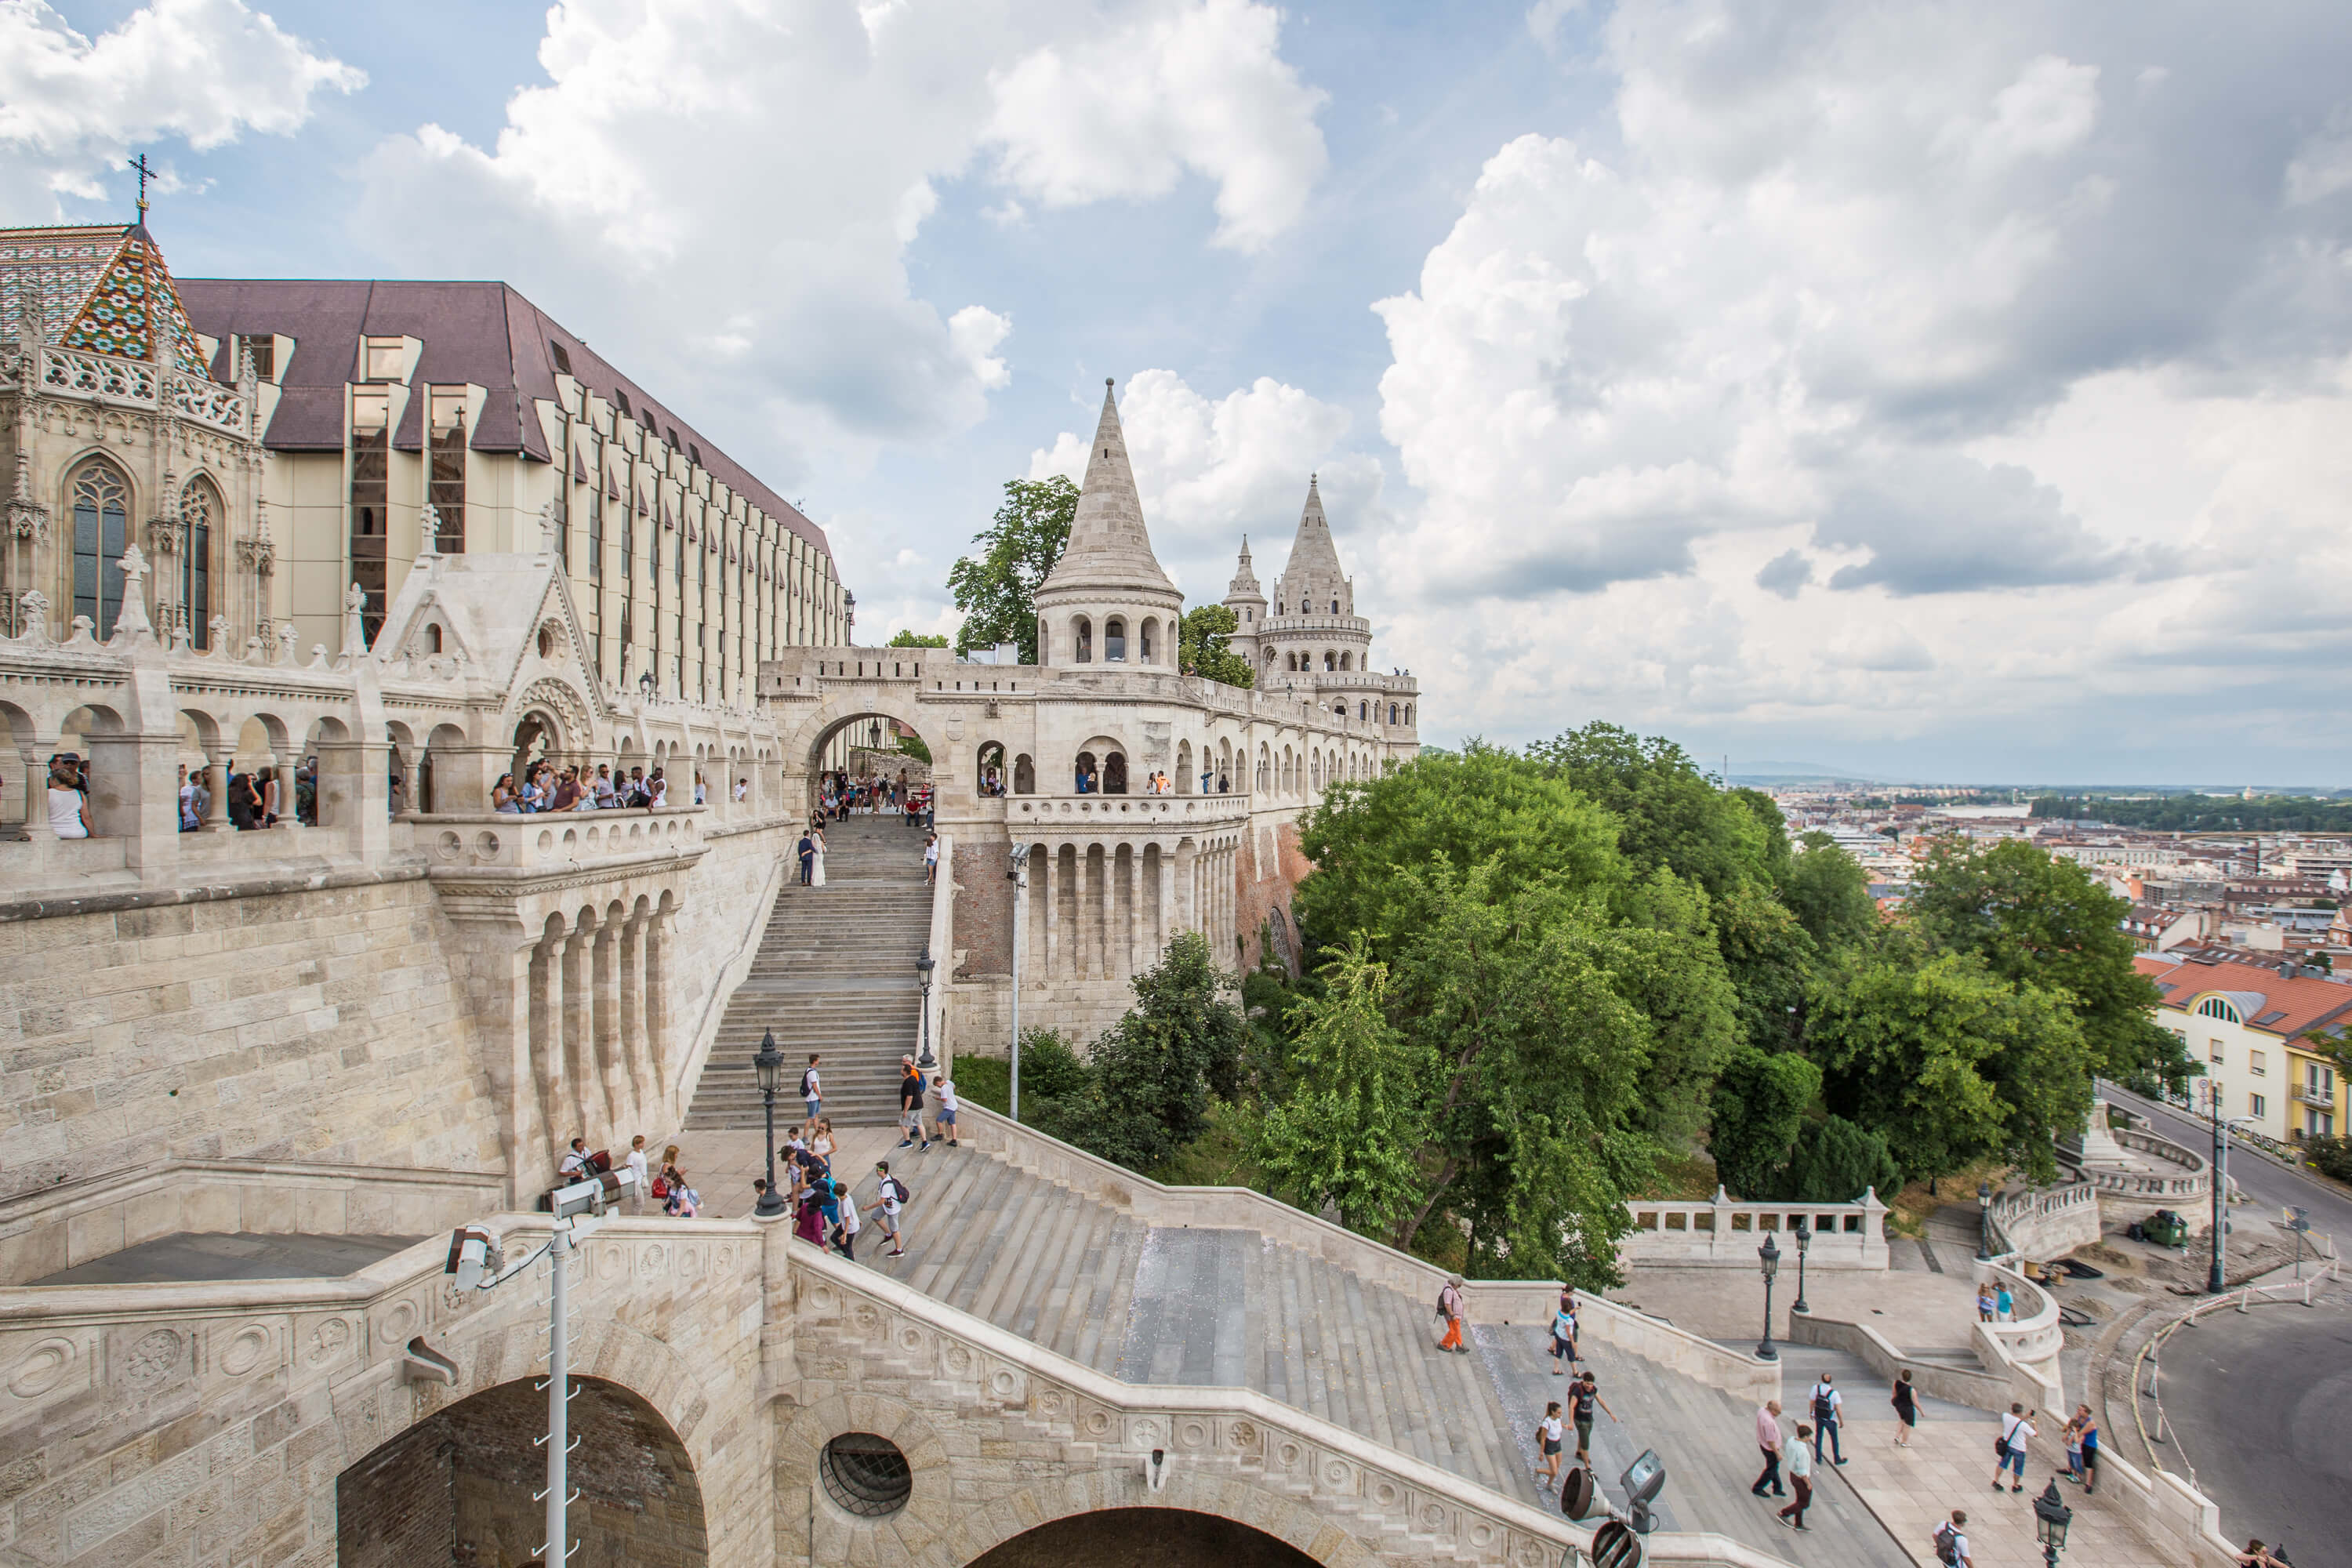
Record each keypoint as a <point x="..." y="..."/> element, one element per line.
<point x="1211" y="469"/>
<point x="767" y="163"/>
<point x="1126" y="108"/>
<point x="204" y="70"/>
<point x="1783" y="400"/>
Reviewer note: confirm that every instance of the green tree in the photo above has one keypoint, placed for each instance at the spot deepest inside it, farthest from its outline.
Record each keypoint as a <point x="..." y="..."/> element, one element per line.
<point x="1481" y="808"/>
<point x="2039" y="920"/>
<point x="1156" y="1069"/>
<point x="997" y="589"/>
<point x="917" y="639"/>
<point x="1760" y="1099"/>
<point x="1668" y="964"/>
<point x="1947" y="1059"/>
<point x="1771" y="960"/>
<point x="1201" y="646"/>
<point x="1350" y="1133"/>
<point x="1835" y="1162"/>
<point x="1829" y="892"/>
<point x="913" y="746"/>
<point x="1670" y="813"/>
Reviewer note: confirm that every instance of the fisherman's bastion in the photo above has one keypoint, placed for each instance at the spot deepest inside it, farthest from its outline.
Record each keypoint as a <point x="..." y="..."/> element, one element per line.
<point x="421" y="533"/>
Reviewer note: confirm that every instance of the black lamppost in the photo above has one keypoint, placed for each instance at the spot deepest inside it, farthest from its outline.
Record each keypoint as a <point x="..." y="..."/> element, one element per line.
<point x="1770" y="1254"/>
<point x="2050" y="1518"/>
<point x="1804" y="1243"/>
<point x="923" y="967"/>
<point x="769" y="1065"/>
<point x="1984" y="1221"/>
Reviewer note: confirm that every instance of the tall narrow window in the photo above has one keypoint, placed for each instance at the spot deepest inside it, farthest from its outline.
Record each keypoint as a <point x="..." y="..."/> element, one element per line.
<point x="596" y="566"/>
<point x="102" y="511"/>
<point x="264" y="350"/>
<point x="200" y="511"/>
<point x="371" y="466"/>
<point x="448" y="495"/>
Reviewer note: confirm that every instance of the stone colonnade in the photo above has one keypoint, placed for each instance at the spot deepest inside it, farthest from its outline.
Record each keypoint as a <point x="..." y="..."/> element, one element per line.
<point x="1105" y="909"/>
<point x="601" y="1049"/>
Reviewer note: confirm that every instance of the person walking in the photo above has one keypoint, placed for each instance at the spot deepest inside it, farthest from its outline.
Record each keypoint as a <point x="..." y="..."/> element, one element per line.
<point x="808" y="1220"/>
<point x="930" y="858"/>
<point x="1547" y="1439"/>
<point x="1829" y="1413"/>
<point x="812" y="1091"/>
<point x="1985" y="1302"/>
<point x="910" y="1105"/>
<point x="1582" y="1395"/>
<point x="1907" y="1408"/>
<point x="890" y="1199"/>
<point x="2004" y="1305"/>
<point x="1767" y="1439"/>
<point x="943" y="1090"/>
<point x="1449" y="1307"/>
<point x="2009" y="1453"/>
<point x="845" y="1229"/>
<point x="1563" y="1334"/>
<point x="2089" y="1436"/>
<point x="1801" y="1477"/>
<point x="1951" y="1542"/>
<point x="636" y="1165"/>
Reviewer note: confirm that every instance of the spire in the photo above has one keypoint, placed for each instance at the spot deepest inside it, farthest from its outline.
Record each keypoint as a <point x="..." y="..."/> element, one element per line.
<point x="1313" y="572"/>
<point x="1244" y="582"/>
<point x="1108" y="548"/>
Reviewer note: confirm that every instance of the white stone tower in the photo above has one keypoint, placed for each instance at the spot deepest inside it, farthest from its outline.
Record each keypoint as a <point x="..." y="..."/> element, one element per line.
<point x="1246" y="600"/>
<point x="1107" y="601"/>
<point x="1314" y="628"/>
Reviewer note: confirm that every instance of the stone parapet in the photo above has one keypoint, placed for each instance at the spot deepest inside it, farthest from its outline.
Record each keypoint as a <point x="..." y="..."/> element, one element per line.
<point x="1721" y="1233"/>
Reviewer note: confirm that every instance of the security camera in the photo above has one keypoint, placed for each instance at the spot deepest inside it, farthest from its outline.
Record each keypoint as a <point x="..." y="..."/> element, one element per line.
<point x="1155" y="1469"/>
<point x="471" y="1253"/>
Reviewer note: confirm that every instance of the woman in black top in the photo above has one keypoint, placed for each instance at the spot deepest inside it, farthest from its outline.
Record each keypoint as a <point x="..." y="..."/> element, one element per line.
<point x="1906" y="1409"/>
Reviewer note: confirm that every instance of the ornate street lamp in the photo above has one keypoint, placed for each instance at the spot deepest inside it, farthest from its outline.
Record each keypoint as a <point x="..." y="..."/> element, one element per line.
<point x="1984" y="1221"/>
<point x="769" y="1065"/>
<point x="1770" y="1256"/>
<point x="2050" y="1518"/>
<point x="923" y="967"/>
<point x="1804" y="1242"/>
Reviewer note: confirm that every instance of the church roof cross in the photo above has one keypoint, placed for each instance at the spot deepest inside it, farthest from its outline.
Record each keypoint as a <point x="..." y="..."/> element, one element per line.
<point x="146" y="172"/>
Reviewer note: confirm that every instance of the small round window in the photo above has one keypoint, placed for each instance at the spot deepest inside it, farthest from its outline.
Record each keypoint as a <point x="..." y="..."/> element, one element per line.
<point x="866" y="1474"/>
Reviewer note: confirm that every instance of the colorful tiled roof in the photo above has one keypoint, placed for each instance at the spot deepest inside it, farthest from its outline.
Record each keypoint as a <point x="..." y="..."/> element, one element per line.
<point x="105" y="290"/>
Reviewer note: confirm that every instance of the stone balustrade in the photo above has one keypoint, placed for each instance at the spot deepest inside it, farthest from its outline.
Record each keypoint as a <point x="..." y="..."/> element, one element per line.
<point x="135" y="383"/>
<point x="1721" y="1233"/>
<point x="2046" y="1222"/>
<point x="541" y="841"/>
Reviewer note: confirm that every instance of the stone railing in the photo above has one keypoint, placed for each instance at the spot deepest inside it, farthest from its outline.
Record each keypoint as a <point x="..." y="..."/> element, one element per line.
<point x="1527" y="1302"/>
<point x="2024" y="1350"/>
<point x="1976" y="1389"/>
<point x="940" y="944"/>
<point x="60" y="1227"/>
<point x="541" y="841"/>
<point x="1124" y="811"/>
<point x="2047" y="1222"/>
<point x="139" y="384"/>
<point x="848" y="1318"/>
<point x="1725" y="1234"/>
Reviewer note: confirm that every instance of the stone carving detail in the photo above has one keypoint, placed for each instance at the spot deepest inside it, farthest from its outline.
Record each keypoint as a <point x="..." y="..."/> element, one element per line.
<point x="152" y="1357"/>
<point x="41" y="1368"/>
<point x="245" y="1350"/>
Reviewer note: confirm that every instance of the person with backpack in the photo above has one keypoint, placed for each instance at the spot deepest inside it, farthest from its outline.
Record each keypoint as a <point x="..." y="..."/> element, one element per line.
<point x="812" y="1091"/>
<point x="1951" y="1542"/>
<point x="1449" y="1307"/>
<point x="910" y="1105"/>
<point x="1581" y="1397"/>
<point x="1563" y="1333"/>
<point x="1547" y="1438"/>
<point x="1828" y="1413"/>
<point x="890" y="1197"/>
<point x="2009" y="1449"/>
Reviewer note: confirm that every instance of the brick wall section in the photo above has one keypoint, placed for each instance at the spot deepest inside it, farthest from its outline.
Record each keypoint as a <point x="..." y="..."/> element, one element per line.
<point x="983" y="909"/>
<point x="1267" y="883"/>
<point x="394" y="1509"/>
<point x="319" y="1025"/>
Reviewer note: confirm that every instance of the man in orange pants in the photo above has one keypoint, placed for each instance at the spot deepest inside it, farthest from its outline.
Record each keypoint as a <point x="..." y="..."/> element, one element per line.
<point x="1449" y="1302"/>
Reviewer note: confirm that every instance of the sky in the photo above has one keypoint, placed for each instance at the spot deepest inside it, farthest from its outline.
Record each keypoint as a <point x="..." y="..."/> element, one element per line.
<point x="1955" y="392"/>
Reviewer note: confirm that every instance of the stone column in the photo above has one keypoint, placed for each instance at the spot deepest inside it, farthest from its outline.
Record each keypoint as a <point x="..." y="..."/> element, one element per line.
<point x="1131" y="926"/>
<point x="1098" y="867"/>
<point x="606" y="979"/>
<point x="544" y="1072"/>
<point x="657" y="1034"/>
<point x="33" y="754"/>
<point x="1045" y="908"/>
<point x="644" y="1077"/>
<point x="1163" y="925"/>
<point x="577" y="1103"/>
<point x="1187" y="858"/>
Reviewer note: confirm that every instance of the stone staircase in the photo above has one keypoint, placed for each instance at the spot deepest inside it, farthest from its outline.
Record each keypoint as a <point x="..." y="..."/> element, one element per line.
<point x="1193" y="1306"/>
<point x="834" y="975"/>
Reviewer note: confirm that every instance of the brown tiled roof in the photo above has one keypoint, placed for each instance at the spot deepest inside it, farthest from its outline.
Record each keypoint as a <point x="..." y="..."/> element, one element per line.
<point x="484" y="333"/>
<point x="2301" y="1005"/>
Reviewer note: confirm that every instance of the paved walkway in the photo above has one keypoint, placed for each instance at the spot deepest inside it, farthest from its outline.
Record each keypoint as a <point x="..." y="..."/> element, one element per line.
<point x="1949" y="1465"/>
<point x="233" y="1255"/>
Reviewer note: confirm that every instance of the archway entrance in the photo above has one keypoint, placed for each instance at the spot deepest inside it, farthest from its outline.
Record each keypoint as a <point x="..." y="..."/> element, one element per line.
<point x="869" y="747"/>
<point x="1144" y="1538"/>
<point x="456" y="1487"/>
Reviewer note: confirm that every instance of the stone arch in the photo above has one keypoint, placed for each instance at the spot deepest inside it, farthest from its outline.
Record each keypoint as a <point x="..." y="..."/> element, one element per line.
<point x="1136" y="1534"/>
<point x="1147" y="639"/>
<point x="1024" y="775"/>
<point x="1114" y="640"/>
<point x="1184" y="767"/>
<point x="815" y="732"/>
<point x="988" y="768"/>
<point x="1082" y="640"/>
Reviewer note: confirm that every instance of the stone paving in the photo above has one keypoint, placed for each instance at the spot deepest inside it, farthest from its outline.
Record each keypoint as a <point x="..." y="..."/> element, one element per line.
<point x="232" y="1255"/>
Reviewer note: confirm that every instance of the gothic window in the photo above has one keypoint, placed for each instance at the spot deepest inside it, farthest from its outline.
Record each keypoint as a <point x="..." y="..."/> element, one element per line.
<point x="1392" y="713"/>
<point x="432" y="640"/>
<point x="1363" y="711"/>
<point x="1115" y="640"/>
<point x="200" y="511"/>
<point x="1143" y="650"/>
<point x="101" y="528"/>
<point x="1335" y="607"/>
<point x="1347" y="661"/>
<point x="371" y="468"/>
<point x="1408" y="712"/>
<point x="1024" y="776"/>
<point x="448" y="484"/>
<point x="1082" y="632"/>
<point x="1330" y="659"/>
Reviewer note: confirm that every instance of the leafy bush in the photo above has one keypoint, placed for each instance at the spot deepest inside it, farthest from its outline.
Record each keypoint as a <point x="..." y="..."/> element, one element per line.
<point x="1835" y="1159"/>
<point x="2330" y="1154"/>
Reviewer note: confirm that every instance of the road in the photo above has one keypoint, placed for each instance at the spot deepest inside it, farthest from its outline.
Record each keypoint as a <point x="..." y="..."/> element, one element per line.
<point x="2270" y="1182"/>
<point x="2259" y="1403"/>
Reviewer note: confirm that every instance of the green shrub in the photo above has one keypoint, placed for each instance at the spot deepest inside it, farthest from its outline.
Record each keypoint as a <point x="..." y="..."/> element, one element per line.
<point x="2330" y="1154"/>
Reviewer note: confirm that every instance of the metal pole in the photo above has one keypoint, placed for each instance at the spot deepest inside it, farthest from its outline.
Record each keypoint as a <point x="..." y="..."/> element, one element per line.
<point x="1020" y="928"/>
<point x="1765" y="1351"/>
<point x="768" y="1102"/>
<point x="558" y="1396"/>
<point x="2213" y="1277"/>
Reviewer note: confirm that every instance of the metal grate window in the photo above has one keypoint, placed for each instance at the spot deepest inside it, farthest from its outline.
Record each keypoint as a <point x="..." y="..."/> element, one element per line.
<point x="866" y="1474"/>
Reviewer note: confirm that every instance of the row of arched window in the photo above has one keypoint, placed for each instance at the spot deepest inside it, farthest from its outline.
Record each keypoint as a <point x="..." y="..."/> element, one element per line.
<point x="1304" y="608"/>
<point x="1114" y="651"/>
<point x="98" y="497"/>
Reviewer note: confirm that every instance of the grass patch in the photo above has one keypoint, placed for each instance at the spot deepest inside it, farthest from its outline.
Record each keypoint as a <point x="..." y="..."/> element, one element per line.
<point x="986" y="1082"/>
<point x="1215" y="1159"/>
<point x="1682" y="1178"/>
<point x="1911" y="1206"/>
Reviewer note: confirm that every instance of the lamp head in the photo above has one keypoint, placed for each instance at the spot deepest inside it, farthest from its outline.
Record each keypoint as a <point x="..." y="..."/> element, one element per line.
<point x="1804" y="1236"/>
<point x="769" y="1064"/>
<point x="1984" y="1194"/>
<point x="2050" y="1517"/>
<point x="1770" y="1256"/>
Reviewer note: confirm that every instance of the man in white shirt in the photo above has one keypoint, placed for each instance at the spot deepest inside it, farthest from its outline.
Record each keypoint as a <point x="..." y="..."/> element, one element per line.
<point x="2016" y="1432"/>
<point x="891" y="1198"/>
<point x="1951" y="1542"/>
<point x="1829" y="1414"/>
<point x="575" y="1165"/>
<point x="636" y="1164"/>
<point x="943" y="1092"/>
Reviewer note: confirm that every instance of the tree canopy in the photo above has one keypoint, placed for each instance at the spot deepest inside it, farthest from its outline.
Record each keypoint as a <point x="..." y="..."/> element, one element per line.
<point x="1201" y="646"/>
<point x="997" y="589"/>
<point x="917" y="639"/>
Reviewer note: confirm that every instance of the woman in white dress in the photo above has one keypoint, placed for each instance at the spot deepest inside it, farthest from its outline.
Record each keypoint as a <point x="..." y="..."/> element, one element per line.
<point x="816" y="871"/>
<point x="67" y="817"/>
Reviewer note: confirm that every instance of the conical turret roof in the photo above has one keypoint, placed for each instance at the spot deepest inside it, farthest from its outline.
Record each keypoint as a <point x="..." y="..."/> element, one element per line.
<point x="1313" y="557"/>
<point x="1244" y="582"/>
<point x="1110" y="551"/>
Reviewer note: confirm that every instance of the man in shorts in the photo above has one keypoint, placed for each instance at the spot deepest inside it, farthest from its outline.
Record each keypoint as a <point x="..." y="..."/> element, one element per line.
<point x="943" y="1090"/>
<point x="910" y="1105"/>
<point x="1563" y="1335"/>
<point x="891" y="1196"/>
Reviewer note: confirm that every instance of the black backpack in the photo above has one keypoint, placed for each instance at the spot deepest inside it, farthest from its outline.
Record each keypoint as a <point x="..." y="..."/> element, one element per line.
<point x="891" y="1184"/>
<point x="805" y="1083"/>
<point x="1948" y="1552"/>
<point x="1822" y="1409"/>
